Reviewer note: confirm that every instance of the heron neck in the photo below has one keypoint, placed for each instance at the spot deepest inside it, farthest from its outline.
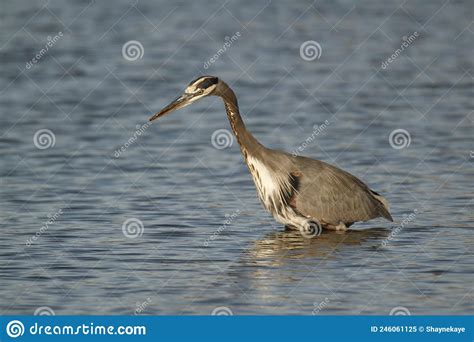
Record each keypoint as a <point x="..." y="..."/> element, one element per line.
<point x="247" y="142"/>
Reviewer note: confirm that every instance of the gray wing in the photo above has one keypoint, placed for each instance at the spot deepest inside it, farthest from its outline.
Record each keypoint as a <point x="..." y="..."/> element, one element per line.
<point x="332" y="195"/>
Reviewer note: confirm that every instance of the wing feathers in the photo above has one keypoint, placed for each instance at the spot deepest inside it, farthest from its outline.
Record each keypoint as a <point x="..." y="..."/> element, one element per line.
<point x="333" y="195"/>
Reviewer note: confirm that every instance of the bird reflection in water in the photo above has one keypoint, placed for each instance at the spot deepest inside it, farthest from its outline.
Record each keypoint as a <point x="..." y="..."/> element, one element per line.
<point x="276" y="265"/>
<point x="277" y="248"/>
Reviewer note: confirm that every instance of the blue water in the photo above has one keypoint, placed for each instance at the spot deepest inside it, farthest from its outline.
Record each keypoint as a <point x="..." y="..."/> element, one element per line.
<point x="206" y="241"/>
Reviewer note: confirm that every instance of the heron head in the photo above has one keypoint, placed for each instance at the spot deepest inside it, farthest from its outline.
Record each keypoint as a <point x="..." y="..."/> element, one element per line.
<point x="200" y="87"/>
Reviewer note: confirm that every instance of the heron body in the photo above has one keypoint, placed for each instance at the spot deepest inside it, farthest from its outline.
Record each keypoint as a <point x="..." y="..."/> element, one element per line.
<point x="299" y="192"/>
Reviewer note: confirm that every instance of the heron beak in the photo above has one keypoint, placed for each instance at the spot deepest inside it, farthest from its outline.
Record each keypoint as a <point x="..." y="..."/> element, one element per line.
<point x="180" y="102"/>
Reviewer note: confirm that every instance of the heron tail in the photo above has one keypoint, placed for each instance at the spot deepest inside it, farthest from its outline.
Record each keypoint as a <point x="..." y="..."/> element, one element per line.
<point x="384" y="209"/>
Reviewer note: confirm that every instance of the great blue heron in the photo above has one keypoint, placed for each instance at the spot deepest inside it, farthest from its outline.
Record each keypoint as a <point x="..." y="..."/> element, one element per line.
<point x="299" y="192"/>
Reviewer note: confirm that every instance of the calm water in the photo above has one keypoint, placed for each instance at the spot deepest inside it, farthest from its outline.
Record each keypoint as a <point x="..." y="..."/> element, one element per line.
<point x="207" y="241"/>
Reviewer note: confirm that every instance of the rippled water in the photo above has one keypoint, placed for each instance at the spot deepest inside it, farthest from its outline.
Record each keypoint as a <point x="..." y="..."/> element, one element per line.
<point x="207" y="241"/>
